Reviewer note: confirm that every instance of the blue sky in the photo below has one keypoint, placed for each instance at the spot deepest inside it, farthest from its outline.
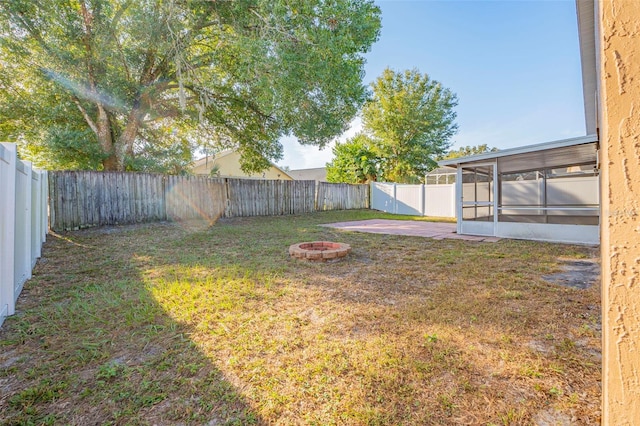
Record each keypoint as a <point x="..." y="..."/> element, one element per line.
<point x="515" y="66"/>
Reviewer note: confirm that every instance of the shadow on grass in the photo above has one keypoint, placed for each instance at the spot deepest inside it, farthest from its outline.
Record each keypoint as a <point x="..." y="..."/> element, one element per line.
<point x="90" y="344"/>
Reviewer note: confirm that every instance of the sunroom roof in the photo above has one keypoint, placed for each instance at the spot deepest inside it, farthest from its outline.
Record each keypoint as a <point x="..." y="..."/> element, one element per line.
<point x="561" y="153"/>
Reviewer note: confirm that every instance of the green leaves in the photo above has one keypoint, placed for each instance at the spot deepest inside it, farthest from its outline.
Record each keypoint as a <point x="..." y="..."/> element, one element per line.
<point x="407" y="124"/>
<point x="411" y="120"/>
<point x="353" y="162"/>
<point x="232" y="74"/>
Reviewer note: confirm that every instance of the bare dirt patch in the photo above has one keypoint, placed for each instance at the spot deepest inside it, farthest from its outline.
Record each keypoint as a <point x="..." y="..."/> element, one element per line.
<point x="581" y="273"/>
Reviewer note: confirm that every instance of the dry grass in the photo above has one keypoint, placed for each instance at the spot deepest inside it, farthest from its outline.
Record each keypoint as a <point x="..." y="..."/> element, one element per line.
<point x="167" y="324"/>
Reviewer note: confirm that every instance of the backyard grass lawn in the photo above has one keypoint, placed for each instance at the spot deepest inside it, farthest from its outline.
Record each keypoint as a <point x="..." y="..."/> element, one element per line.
<point x="167" y="324"/>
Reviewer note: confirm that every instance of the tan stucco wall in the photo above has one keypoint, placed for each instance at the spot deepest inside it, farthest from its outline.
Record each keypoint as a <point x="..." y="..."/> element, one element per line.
<point x="619" y="49"/>
<point x="229" y="166"/>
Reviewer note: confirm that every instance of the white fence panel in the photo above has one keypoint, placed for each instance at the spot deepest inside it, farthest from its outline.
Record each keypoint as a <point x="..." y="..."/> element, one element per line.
<point x="416" y="200"/>
<point x="39" y="213"/>
<point x="22" y="246"/>
<point x="383" y="197"/>
<point x="7" y="228"/>
<point x="582" y="190"/>
<point x="410" y="200"/>
<point x="522" y="193"/>
<point x="23" y="224"/>
<point x="440" y="200"/>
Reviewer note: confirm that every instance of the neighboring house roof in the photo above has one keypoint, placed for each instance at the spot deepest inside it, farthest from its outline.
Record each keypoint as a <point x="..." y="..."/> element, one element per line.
<point x="318" y="174"/>
<point x="228" y="162"/>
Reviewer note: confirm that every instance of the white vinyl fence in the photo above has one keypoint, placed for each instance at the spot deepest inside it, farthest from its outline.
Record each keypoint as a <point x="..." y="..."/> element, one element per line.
<point x="565" y="191"/>
<point x="416" y="200"/>
<point x="23" y="224"/>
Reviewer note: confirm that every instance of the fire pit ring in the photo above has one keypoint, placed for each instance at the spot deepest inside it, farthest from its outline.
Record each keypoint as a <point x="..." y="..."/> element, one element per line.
<point x="319" y="251"/>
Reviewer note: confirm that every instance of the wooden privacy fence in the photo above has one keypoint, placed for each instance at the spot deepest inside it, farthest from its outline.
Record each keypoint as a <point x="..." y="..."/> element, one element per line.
<point x="342" y="196"/>
<point x="252" y="197"/>
<point x="85" y="199"/>
<point x="23" y="224"/>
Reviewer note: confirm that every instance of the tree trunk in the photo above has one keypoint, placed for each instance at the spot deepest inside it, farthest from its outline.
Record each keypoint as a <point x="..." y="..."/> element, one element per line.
<point x="110" y="163"/>
<point x="105" y="138"/>
<point x="124" y="143"/>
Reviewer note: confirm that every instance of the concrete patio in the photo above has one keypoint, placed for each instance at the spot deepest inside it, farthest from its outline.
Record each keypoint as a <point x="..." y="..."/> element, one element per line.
<point x="435" y="230"/>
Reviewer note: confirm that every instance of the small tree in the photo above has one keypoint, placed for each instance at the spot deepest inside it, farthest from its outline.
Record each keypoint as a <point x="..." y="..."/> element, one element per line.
<point x="353" y="161"/>
<point x="409" y="121"/>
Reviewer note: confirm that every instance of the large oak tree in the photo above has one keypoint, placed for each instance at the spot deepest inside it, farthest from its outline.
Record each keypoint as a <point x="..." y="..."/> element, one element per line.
<point x="120" y="83"/>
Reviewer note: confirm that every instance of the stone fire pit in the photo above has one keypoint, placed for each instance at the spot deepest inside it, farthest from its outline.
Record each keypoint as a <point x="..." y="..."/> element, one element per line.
<point x="319" y="251"/>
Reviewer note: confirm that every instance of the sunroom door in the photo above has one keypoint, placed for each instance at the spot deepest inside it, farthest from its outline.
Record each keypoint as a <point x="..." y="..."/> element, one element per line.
<point x="478" y="206"/>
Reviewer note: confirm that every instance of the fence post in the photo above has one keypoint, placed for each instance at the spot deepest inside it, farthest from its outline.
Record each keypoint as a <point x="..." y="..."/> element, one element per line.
<point x="51" y="195"/>
<point x="423" y="200"/>
<point x="23" y="244"/>
<point x="427" y="199"/>
<point x="8" y="158"/>
<point x="453" y="201"/>
<point x="317" y="202"/>
<point x="44" y="206"/>
<point x="395" y="199"/>
<point x="35" y="216"/>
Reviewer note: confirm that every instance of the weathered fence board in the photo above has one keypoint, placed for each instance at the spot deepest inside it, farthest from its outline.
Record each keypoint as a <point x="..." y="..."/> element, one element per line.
<point x="188" y="197"/>
<point x="86" y="199"/>
<point x="252" y="197"/>
<point x="342" y="196"/>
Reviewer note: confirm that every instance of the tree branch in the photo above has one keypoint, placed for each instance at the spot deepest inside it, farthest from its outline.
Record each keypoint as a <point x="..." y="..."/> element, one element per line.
<point x="86" y="41"/>
<point x="122" y="58"/>
<point x="276" y="29"/>
<point x="88" y="119"/>
<point x="35" y="33"/>
<point x="120" y="12"/>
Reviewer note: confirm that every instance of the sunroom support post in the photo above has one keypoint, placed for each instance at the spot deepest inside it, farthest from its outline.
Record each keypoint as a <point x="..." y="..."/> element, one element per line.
<point x="499" y="199"/>
<point x="545" y="174"/>
<point x="459" y="196"/>
<point x="494" y="197"/>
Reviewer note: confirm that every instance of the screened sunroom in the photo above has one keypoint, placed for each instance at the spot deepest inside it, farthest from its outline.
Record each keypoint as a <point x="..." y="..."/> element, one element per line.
<point x="547" y="192"/>
<point x="441" y="176"/>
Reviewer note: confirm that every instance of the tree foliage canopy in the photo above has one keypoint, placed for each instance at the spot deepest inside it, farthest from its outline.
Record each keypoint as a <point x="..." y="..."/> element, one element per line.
<point x="406" y="125"/>
<point x="122" y="83"/>
<point x="354" y="161"/>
